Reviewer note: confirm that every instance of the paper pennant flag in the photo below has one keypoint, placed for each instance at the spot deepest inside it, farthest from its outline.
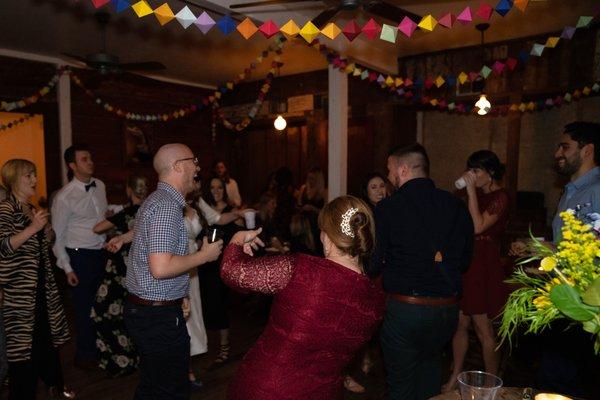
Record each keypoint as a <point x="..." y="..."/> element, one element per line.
<point x="531" y="106"/>
<point x="164" y="14"/>
<point x="185" y="17"/>
<point x="142" y="8"/>
<point x="290" y="28"/>
<point x="407" y="26"/>
<point x="364" y="75"/>
<point x="451" y="80"/>
<point x="400" y="91"/>
<point x="350" y="68"/>
<point x="484" y="11"/>
<point x="398" y="82"/>
<point x="596" y="87"/>
<point x="331" y="31"/>
<point x="498" y="67"/>
<point x="247" y="28"/>
<point x="584" y="22"/>
<point x="380" y="79"/>
<point x="524" y="56"/>
<point x="568" y="32"/>
<point x="552" y="42"/>
<point x="357" y="72"/>
<point x="549" y="102"/>
<point x="473" y="76"/>
<point x="351" y="30"/>
<point x="371" y="29"/>
<point x="120" y="5"/>
<point x="433" y="102"/>
<point x="462" y="78"/>
<point x="503" y="7"/>
<point x="226" y="24"/>
<point x="428" y="83"/>
<point x="586" y="91"/>
<point x="309" y="32"/>
<point x="389" y="81"/>
<point x="428" y="23"/>
<point x="268" y="29"/>
<point x="451" y="106"/>
<point x="372" y="76"/>
<point x="537" y="50"/>
<point x="521" y="4"/>
<point x="465" y="17"/>
<point x="389" y="33"/>
<point x="511" y="63"/>
<point x="205" y="22"/>
<point x="485" y="71"/>
<point x="408" y="82"/>
<point x="447" y="20"/>
<point x="439" y="81"/>
<point x="100" y="3"/>
<point x="522" y="107"/>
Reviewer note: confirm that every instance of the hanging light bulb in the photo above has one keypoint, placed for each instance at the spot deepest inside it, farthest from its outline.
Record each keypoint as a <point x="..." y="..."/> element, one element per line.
<point x="280" y="123"/>
<point x="483" y="105"/>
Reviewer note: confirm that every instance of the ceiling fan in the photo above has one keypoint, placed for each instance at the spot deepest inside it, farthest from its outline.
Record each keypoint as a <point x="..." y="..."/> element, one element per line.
<point x="379" y="8"/>
<point x="106" y="62"/>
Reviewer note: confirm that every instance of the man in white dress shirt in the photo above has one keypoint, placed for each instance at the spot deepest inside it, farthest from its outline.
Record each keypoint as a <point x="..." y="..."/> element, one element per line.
<point x="77" y="207"/>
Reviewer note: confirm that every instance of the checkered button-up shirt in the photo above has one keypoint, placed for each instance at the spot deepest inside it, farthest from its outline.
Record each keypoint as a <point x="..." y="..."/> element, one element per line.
<point x="159" y="228"/>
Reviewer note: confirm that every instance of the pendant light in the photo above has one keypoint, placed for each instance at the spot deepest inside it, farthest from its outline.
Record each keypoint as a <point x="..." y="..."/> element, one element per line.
<point x="482" y="105"/>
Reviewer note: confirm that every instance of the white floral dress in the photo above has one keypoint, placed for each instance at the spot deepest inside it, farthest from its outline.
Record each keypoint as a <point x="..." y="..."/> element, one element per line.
<point x="117" y="354"/>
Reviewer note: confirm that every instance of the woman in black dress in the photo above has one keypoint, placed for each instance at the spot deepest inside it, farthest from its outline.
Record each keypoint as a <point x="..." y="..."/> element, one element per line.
<point x="213" y="292"/>
<point x="117" y="355"/>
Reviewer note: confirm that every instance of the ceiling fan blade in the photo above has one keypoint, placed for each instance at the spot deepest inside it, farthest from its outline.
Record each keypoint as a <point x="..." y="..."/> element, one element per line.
<point x="321" y="20"/>
<point x="390" y="11"/>
<point x="76" y="57"/>
<point x="142" y="66"/>
<point x="267" y="3"/>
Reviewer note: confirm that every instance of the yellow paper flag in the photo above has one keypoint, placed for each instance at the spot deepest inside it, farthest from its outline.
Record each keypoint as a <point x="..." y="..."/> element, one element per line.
<point x="309" y="32"/>
<point x="552" y="42"/>
<point x="290" y="28"/>
<point x="439" y="81"/>
<point x="141" y="8"/>
<point x="350" y="68"/>
<point x="462" y="78"/>
<point x="357" y="72"/>
<point x="164" y="14"/>
<point x="428" y="23"/>
<point x="389" y="81"/>
<point x="331" y="31"/>
<point x="521" y="4"/>
<point x="398" y="82"/>
<point x="247" y="28"/>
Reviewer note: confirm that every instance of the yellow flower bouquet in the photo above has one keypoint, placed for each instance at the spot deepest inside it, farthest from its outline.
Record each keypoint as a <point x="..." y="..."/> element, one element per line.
<point x="568" y="286"/>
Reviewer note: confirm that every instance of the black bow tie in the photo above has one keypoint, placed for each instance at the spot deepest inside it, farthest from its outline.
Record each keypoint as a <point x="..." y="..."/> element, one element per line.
<point x="87" y="187"/>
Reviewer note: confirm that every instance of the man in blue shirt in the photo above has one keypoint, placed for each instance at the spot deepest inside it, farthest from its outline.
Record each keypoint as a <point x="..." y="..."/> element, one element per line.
<point x="157" y="278"/>
<point x="577" y="157"/>
<point x="562" y="368"/>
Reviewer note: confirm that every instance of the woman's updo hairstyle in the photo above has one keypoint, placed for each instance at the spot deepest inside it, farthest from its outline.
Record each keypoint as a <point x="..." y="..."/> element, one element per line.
<point x="349" y="223"/>
<point x="488" y="161"/>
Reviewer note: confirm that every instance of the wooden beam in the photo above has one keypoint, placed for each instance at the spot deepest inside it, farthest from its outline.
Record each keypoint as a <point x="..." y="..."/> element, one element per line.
<point x="337" y="153"/>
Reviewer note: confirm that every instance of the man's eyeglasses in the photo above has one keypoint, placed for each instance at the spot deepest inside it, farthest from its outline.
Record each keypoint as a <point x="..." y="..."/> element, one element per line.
<point x="193" y="159"/>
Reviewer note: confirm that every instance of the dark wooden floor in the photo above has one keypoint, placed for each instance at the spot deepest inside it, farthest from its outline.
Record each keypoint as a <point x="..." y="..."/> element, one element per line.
<point x="246" y="327"/>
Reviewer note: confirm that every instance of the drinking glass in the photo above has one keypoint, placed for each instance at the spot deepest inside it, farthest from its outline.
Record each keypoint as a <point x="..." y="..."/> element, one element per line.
<point x="478" y="385"/>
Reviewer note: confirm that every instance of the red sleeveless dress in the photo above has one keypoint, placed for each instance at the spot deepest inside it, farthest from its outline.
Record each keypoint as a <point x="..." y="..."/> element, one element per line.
<point x="322" y="314"/>
<point x="483" y="287"/>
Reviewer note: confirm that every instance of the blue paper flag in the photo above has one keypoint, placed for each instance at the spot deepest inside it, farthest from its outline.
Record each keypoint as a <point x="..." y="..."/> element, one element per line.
<point x="120" y="5"/>
<point x="226" y="25"/>
<point x="503" y="7"/>
<point x="451" y="80"/>
<point x="524" y="56"/>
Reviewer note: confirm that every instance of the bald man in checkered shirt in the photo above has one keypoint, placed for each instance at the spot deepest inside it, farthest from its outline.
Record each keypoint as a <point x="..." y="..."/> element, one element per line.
<point x="158" y="279"/>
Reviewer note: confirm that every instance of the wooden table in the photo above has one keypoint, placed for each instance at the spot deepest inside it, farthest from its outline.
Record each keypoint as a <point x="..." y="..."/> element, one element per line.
<point x="506" y="393"/>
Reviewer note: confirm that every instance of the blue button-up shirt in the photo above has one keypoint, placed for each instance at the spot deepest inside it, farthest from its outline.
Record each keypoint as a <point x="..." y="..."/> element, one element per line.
<point x="582" y="196"/>
<point x="159" y="228"/>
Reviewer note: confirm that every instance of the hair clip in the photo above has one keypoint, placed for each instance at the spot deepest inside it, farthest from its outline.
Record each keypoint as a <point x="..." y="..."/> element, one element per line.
<point x="345" y="224"/>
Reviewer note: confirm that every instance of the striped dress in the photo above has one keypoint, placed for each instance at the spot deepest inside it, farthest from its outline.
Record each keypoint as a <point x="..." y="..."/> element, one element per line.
<point x="19" y="277"/>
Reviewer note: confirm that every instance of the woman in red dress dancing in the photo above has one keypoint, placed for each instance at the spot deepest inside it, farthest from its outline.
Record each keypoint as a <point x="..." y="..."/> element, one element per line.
<point x="323" y="311"/>
<point x="484" y="292"/>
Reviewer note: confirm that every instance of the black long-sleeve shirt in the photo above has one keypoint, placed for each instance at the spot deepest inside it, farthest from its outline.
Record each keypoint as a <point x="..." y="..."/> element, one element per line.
<point x="414" y="225"/>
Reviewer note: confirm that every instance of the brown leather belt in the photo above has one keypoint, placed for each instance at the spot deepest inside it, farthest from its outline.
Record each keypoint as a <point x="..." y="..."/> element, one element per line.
<point x="425" y="301"/>
<point x="153" y="303"/>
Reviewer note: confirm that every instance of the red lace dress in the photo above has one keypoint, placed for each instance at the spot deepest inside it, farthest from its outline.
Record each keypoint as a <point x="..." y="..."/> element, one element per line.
<point x="322" y="314"/>
<point x="483" y="287"/>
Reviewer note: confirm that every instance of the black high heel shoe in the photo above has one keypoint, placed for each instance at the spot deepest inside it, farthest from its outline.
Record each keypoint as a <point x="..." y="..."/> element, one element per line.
<point x="55" y="393"/>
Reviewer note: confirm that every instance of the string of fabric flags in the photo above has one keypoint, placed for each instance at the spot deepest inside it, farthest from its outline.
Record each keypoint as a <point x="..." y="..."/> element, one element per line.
<point x="18" y="121"/>
<point x="402" y="85"/>
<point x="523" y="107"/>
<point x="34" y="98"/>
<point x="205" y="102"/>
<point x="351" y="30"/>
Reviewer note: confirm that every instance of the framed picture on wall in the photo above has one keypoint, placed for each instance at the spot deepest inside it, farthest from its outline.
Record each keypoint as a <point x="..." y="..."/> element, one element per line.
<point x="138" y="143"/>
